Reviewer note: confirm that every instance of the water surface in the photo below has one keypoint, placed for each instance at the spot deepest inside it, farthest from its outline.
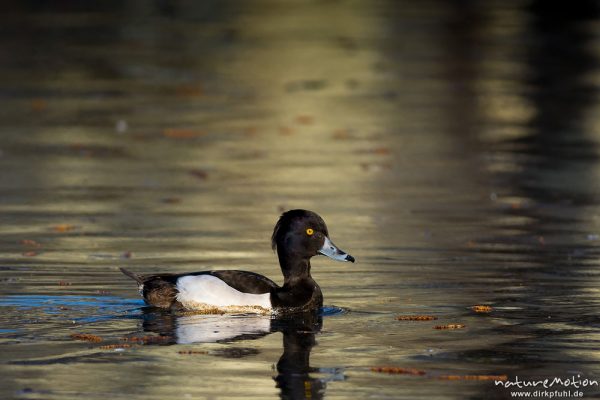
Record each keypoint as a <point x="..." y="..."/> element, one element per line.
<point x="452" y="148"/>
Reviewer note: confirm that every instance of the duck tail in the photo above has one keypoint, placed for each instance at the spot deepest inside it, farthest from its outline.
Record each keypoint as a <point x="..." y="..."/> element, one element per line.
<point x="132" y="275"/>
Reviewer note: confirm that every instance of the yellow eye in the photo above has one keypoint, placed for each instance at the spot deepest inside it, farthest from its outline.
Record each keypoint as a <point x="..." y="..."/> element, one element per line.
<point x="309" y="231"/>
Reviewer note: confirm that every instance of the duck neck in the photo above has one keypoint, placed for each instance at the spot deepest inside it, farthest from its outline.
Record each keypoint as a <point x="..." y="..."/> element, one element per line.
<point x="293" y="266"/>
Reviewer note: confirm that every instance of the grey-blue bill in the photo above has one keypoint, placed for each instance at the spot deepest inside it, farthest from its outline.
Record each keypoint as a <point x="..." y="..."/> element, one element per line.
<point x="332" y="251"/>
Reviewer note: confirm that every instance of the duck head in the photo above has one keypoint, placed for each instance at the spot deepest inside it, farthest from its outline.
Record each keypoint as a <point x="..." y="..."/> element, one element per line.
<point x="302" y="234"/>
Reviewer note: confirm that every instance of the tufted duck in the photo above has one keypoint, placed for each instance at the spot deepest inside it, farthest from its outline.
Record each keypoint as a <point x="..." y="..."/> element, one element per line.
<point x="298" y="236"/>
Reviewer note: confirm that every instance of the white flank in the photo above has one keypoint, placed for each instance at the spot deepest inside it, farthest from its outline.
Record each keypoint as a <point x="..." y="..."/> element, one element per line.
<point x="199" y="291"/>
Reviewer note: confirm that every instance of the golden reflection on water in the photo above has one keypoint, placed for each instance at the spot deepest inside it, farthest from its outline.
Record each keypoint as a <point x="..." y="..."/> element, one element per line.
<point x="422" y="134"/>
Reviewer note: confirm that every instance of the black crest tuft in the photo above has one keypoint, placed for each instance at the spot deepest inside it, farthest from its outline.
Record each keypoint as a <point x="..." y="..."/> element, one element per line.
<point x="284" y="224"/>
<point x="287" y="220"/>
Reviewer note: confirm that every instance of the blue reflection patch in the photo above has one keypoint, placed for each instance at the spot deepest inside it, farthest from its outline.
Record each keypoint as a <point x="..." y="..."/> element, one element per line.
<point x="81" y="308"/>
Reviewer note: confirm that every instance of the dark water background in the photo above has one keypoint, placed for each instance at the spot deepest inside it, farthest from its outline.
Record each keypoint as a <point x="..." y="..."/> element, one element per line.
<point x="451" y="146"/>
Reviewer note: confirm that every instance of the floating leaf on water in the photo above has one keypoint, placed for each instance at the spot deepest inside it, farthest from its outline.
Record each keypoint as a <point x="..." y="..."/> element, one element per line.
<point x="250" y="131"/>
<point x="30" y="253"/>
<point x="63" y="228"/>
<point x="305" y="120"/>
<point x="199" y="173"/>
<point x="482" y="309"/>
<point x="192" y="352"/>
<point x="86" y="337"/>
<point x="147" y="339"/>
<point x="341" y="134"/>
<point x="376" y="166"/>
<point x="39" y="104"/>
<point x="286" y="131"/>
<point x="116" y="346"/>
<point x="416" y="318"/>
<point x="381" y="151"/>
<point x="450" y="326"/>
<point x="398" y="370"/>
<point x="194" y="90"/>
<point x="177" y="133"/>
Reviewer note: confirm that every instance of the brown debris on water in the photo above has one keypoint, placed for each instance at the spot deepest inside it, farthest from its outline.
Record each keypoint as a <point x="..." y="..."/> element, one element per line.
<point x="64" y="283"/>
<point x="286" y="131"/>
<point x="116" y="346"/>
<point x="420" y="372"/>
<point x="482" y="308"/>
<point x="38" y="104"/>
<point x="450" y="326"/>
<point x="86" y="337"/>
<point x="250" y="131"/>
<point x="381" y="151"/>
<point x="62" y="228"/>
<point x="378" y="151"/>
<point x="199" y="173"/>
<point x="179" y="133"/>
<point x="305" y="119"/>
<point x="30" y="253"/>
<point x="192" y="352"/>
<point x="147" y="339"/>
<point x="30" y="243"/>
<point x="193" y="90"/>
<point x="416" y="318"/>
<point x="341" y="134"/>
<point x="398" y="370"/>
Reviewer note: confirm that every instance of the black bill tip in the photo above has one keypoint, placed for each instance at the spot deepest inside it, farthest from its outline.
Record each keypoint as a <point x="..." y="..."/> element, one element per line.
<point x="349" y="258"/>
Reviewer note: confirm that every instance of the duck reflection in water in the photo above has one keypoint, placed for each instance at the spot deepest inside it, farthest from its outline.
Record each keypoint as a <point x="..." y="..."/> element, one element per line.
<point x="293" y="368"/>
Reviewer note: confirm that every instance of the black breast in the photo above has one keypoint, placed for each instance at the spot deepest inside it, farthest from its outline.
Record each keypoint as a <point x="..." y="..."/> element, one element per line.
<point x="301" y="295"/>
